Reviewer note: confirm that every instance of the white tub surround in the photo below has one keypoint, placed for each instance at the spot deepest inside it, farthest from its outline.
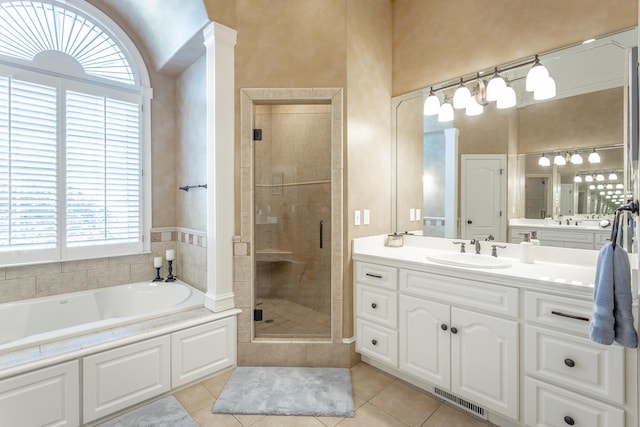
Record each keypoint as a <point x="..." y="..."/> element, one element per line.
<point x="220" y="43"/>
<point x="119" y="365"/>
<point x="511" y="343"/>
<point x="579" y="233"/>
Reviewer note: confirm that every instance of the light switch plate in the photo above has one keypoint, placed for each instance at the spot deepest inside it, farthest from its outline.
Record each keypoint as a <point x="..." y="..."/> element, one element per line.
<point x="418" y="215"/>
<point x="367" y="216"/>
<point x="356" y="218"/>
<point x="412" y="214"/>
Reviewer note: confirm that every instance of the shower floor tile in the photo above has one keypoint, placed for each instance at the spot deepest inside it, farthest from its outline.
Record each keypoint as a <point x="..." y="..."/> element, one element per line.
<point x="283" y="318"/>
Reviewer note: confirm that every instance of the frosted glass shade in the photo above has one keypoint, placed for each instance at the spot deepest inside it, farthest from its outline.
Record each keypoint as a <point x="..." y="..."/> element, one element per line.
<point x="535" y="76"/>
<point x="546" y="89"/>
<point x="544" y="161"/>
<point x="559" y="160"/>
<point x="461" y="97"/>
<point x="495" y="87"/>
<point x="577" y="178"/>
<point x="576" y="159"/>
<point x="445" y="114"/>
<point x="473" y="108"/>
<point x="507" y="97"/>
<point x="594" y="157"/>
<point x="431" y="105"/>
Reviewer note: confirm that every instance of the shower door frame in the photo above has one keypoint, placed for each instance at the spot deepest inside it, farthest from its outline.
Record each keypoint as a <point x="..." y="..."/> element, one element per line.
<point x="249" y="98"/>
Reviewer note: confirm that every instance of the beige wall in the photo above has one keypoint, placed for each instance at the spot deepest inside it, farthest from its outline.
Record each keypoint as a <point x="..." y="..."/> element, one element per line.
<point x="437" y="40"/>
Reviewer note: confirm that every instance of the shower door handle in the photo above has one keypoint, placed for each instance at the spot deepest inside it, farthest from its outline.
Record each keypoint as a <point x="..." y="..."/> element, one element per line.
<point x="321" y="226"/>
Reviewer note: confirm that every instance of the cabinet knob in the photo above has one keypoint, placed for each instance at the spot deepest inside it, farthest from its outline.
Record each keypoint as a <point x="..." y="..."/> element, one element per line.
<point x="469" y="221"/>
<point x="569" y="420"/>
<point x="374" y="342"/>
<point x="374" y="305"/>
<point x="454" y="330"/>
<point x="443" y="327"/>
<point x="569" y="362"/>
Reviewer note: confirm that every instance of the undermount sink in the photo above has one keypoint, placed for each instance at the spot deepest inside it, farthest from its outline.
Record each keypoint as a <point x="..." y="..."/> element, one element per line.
<point x="469" y="260"/>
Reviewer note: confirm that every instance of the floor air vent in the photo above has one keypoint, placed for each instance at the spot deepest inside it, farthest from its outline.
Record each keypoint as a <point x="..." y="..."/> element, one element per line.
<point x="461" y="403"/>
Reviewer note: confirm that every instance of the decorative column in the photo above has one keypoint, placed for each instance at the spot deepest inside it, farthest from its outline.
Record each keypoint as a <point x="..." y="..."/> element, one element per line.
<point x="220" y="43"/>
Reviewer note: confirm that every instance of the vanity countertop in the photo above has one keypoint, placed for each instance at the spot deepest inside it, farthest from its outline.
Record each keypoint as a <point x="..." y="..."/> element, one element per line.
<point x="560" y="269"/>
<point x="582" y="224"/>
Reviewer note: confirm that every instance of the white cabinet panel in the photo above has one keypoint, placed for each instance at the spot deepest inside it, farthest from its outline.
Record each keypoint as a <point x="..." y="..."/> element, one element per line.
<point x="558" y="312"/>
<point x="425" y="340"/>
<point x="202" y="350"/>
<point x="56" y="391"/>
<point x="484" y="360"/>
<point x="377" y="275"/>
<point x="377" y="305"/>
<point x="575" y="362"/>
<point x="124" y="376"/>
<point x="378" y="342"/>
<point x="549" y="406"/>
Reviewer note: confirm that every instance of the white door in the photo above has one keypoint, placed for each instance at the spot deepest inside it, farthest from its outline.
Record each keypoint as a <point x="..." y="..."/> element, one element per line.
<point x="484" y="360"/>
<point x="483" y="201"/>
<point x="425" y="340"/>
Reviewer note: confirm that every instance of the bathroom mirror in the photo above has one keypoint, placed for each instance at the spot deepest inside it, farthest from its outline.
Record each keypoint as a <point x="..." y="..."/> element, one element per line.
<point x="588" y="113"/>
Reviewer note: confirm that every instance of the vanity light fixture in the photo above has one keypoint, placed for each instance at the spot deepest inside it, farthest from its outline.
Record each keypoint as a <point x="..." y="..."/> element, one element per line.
<point x="609" y="186"/>
<point x="431" y="104"/>
<point x="577" y="178"/>
<point x="473" y="108"/>
<point x="588" y="178"/>
<point x="544" y="161"/>
<point x="599" y="177"/>
<point x="602" y="193"/>
<point x="445" y="113"/>
<point x="461" y="96"/>
<point x="594" y="157"/>
<point x="618" y="192"/>
<point x="600" y="187"/>
<point x="559" y="160"/>
<point x="536" y="76"/>
<point x="495" y="87"/>
<point x="609" y="192"/>
<point x="592" y="187"/>
<point x="546" y="89"/>
<point x="619" y="186"/>
<point x="613" y="176"/>
<point x="507" y="98"/>
<point x="576" y="158"/>
<point x="607" y="196"/>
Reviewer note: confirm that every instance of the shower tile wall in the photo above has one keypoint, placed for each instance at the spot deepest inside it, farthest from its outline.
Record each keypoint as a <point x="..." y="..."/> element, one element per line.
<point x="295" y="147"/>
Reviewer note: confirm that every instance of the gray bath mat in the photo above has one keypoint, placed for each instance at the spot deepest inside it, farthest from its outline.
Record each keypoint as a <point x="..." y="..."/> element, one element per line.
<point x="318" y="392"/>
<point x="166" y="412"/>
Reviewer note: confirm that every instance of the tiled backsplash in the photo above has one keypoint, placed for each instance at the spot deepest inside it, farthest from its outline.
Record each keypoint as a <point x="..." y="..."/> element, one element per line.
<point x="38" y="280"/>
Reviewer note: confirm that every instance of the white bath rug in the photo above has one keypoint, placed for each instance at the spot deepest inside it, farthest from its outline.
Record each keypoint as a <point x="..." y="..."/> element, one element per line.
<point x="166" y="412"/>
<point x="318" y="392"/>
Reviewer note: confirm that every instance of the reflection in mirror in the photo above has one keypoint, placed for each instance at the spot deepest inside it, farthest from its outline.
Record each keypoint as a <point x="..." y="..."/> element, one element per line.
<point x="586" y="115"/>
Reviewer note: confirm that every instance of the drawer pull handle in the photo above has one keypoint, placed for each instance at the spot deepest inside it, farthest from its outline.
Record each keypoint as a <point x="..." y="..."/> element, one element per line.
<point x="374" y="342"/>
<point x="374" y="305"/>
<point x="569" y="420"/>
<point x="570" y="316"/>
<point x="443" y="327"/>
<point x="569" y="362"/>
<point x="376" y="276"/>
<point x="454" y="330"/>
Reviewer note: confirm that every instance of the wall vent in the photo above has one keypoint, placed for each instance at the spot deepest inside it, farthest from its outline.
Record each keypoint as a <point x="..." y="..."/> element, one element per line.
<point x="472" y="408"/>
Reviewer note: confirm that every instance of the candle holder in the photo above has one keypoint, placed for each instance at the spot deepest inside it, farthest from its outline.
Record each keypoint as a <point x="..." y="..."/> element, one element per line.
<point x="158" y="278"/>
<point x="170" y="277"/>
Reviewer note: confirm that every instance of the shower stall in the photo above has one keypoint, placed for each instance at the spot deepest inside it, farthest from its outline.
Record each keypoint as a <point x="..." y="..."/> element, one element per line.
<point x="292" y="220"/>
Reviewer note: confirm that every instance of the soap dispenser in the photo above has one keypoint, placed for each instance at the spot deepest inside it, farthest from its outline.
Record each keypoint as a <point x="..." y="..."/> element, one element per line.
<point x="534" y="238"/>
<point x="526" y="250"/>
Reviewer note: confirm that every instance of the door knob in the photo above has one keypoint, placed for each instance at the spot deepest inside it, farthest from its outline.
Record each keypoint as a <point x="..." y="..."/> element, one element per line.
<point x="469" y="221"/>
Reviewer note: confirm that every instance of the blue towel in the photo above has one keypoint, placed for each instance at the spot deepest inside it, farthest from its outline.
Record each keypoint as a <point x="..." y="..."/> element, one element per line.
<point x="612" y="317"/>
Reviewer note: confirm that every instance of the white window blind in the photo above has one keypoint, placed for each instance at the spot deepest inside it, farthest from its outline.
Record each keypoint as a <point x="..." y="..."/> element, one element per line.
<point x="28" y="165"/>
<point x="103" y="170"/>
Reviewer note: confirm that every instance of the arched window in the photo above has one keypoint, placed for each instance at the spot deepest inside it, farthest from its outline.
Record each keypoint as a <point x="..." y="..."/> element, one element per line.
<point x="74" y="139"/>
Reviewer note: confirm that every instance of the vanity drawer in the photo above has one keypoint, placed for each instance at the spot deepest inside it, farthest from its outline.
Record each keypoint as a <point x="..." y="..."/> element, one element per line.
<point x="558" y="312"/>
<point x="566" y="235"/>
<point x="378" y="342"/>
<point x="377" y="275"/>
<point x="461" y="292"/>
<point x="377" y="305"/>
<point x="575" y="362"/>
<point x="547" y="405"/>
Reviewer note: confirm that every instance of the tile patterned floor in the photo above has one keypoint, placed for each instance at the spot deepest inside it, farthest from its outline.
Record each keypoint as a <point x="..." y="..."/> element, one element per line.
<point x="283" y="318"/>
<point x="380" y="400"/>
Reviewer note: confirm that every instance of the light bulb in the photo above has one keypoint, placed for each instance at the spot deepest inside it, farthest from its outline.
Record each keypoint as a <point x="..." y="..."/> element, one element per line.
<point x="431" y="104"/>
<point x="577" y="178"/>
<point x="507" y="98"/>
<point x="544" y="161"/>
<point x="495" y="87"/>
<point x="592" y="187"/>
<point x="461" y="96"/>
<point x="559" y="160"/>
<point x="576" y="159"/>
<point x="536" y="74"/>
<point x="546" y="89"/>
<point x="588" y="178"/>
<point x="473" y="108"/>
<point x="599" y="177"/>
<point x="594" y="157"/>
<point x="613" y="176"/>
<point x="445" y="114"/>
<point x="600" y="187"/>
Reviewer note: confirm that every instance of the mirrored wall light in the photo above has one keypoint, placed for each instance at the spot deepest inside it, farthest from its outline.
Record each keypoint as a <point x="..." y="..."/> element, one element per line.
<point x="495" y="87"/>
<point x="618" y="192"/>
<point x="600" y="187"/>
<point x="473" y="108"/>
<point x="607" y="196"/>
<point x="599" y="177"/>
<point x="576" y="158"/>
<point x="592" y="187"/>
<point x="619" y="186"/>
<point x="609" y="192"/>
<point x="431" y="104"/>
<point x="594" y="157"/>
<point x="445" y="113"/>
<point x="461" y="96"/>
<point x="602" y="193"/>
<point x="588" y="178"/>
<point x="536" y="76"/>
<point x="609" y="186"/>
<point x="577" y="178"/>
<point x="613" y="176"/>
<point x="559" y="160"/>
<point x="544" y="161"/>
<point x="507" y="98"/>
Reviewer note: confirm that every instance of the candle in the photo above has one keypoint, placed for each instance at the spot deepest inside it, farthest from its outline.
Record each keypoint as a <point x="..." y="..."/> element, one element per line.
<point x="171" y="254"/>
<point x="157" y="261"/>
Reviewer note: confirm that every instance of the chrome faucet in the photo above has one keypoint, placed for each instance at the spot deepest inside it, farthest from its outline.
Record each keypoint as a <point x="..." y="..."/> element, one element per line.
<point x="494" y="251"/>
<point x="490" y="238"/>
<point x="477" y="243"/>
<point x="461" y="246"/>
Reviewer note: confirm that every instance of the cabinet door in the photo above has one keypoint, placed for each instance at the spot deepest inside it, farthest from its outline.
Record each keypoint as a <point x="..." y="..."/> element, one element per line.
<point x="425" y="340"/>
<point x="484" y="360"/>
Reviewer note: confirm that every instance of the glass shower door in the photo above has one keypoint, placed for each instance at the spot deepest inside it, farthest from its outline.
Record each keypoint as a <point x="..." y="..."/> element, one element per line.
<point x="292" y="222"/>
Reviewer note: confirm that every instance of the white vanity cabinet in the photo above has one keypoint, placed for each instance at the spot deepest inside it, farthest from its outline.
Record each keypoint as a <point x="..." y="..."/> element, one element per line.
<point x="569" y="380"/>
<point x="451" y="345"/>
<point x="565" y="236"/>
